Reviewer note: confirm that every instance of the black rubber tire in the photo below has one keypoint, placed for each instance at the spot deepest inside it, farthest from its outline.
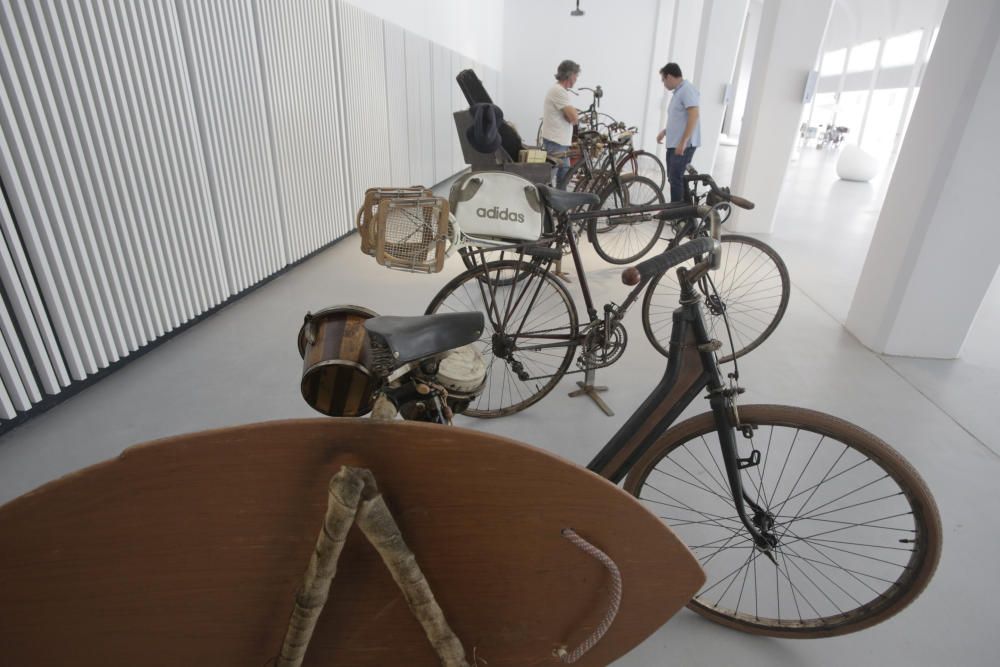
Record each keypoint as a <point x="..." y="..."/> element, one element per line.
<point x="753" y="285"/>
<point x="626" y="243"/>
<point x="576" y="178"/>
<point x="893" y="517"/>
<point x="644" y="163"/>
<point x="553" y="310"/>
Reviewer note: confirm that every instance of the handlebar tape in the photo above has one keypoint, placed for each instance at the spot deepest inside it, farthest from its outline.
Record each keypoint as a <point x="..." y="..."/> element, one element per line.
<point x="662" y="262"/>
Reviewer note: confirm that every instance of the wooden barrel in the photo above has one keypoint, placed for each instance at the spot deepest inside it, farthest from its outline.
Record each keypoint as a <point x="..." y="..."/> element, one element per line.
<point x="336" y="379"/>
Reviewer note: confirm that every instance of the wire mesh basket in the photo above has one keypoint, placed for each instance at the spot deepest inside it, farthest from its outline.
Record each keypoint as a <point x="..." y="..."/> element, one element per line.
<point x="368" y="212"/>
<point x="406" y="228"/>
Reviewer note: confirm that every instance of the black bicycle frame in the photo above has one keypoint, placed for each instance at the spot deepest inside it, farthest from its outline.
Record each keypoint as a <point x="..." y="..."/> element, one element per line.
<point x="564" y="235"/>
<point x="691" y="368"/>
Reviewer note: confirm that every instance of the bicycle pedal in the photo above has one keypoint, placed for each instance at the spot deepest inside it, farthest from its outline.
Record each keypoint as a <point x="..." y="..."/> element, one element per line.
<point x="710" y="346"/>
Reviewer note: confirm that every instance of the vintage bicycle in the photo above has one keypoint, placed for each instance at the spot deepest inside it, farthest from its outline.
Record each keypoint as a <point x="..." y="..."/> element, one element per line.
<point x="533" y="331"/>
<point x="806" y="525"/>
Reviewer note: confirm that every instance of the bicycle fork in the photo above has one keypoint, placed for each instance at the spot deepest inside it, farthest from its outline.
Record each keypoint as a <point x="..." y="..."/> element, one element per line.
<point x="761" y="524"/>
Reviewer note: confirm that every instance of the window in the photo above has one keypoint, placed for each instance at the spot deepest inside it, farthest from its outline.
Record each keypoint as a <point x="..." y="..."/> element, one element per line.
<point x="833" y="62"/>
<point x="825" y="109"/>
<point x="886" y="110"/>
<point x="850" y="111"/>
<point x="863" y="57"/>
<point x="902" y="50"/>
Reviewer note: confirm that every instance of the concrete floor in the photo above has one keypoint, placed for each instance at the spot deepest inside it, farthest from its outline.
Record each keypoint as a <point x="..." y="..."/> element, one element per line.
<point x="241" y="365"/>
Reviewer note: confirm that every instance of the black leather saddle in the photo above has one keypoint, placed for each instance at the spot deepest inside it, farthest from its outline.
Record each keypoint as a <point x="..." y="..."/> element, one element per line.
<point x="413" y="338"/>
<point x="561" y="201"/>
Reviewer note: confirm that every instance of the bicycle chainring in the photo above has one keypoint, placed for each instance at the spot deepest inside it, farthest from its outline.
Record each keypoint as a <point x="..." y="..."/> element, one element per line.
<point x="600" y="350"/>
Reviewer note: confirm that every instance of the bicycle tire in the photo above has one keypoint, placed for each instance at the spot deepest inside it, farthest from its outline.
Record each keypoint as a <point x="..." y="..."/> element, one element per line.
<point x="626" y="243"/>
<point x="553" y="312"/>
<point x="866" y="519"/>
<point x="644" y="163"/>
<point x="576" y="178"/>
<point x="753" y="287"/>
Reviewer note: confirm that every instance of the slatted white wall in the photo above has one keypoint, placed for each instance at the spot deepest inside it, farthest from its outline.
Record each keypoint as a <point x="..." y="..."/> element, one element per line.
<point x="417" y="55"/>
<point x="158" y="157"/>
<point x="362" y="55"/>
<point x="229" y="103"/>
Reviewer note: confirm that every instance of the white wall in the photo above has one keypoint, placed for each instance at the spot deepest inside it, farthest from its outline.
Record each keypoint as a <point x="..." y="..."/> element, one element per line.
<point x="160" y="157"/>
<point x="656" y="94"/>
<point x="474" y="28"/>
<point x="613" y="48"/>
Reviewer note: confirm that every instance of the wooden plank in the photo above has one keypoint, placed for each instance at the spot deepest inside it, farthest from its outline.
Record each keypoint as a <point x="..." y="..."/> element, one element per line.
<point x="189" y="550"/>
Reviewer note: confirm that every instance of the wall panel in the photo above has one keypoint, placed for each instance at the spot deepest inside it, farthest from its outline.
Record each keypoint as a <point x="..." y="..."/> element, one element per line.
<point x="365" y="109"/>
<point x="419" y="109"/>
<point x="444" y="128"/>
<point x="227" y="98"/>
<point x="458" y="103"/>
<point x="158" y="157"/>
<point x="394" y="42"/>
<point x="298" y="51"/>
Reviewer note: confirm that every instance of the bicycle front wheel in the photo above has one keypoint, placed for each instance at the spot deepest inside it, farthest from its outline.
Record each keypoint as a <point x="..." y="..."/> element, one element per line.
<point x="859" y="535"/>
<point x="530" y="334"/>
<point x="751" y="289"/>
<point x="626" y="242"/>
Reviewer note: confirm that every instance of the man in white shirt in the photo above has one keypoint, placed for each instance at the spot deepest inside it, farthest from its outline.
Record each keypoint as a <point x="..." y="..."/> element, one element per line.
<point x="559" y="116"/>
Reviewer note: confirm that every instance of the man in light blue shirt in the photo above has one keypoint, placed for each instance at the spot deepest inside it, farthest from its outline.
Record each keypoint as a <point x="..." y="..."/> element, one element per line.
<point x="683" y="131"/>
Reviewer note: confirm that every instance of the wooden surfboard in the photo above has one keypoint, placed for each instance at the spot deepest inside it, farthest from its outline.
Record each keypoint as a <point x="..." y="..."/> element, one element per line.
<point x="189" y="551"/>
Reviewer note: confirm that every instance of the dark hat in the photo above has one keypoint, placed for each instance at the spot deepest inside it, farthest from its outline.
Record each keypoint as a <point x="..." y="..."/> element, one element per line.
<point x="484" y="134"/>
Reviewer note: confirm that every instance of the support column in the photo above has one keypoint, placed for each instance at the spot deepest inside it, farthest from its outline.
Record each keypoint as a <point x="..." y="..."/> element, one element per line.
<point x="721" y="26"/>
<point x="916" y="74"/>
<point x="685" y="33"/>
<point x="741" y="78"/>
<point x="652" y="120"/>
<point x="791" y="32"/>
<point x="936" y="247"/>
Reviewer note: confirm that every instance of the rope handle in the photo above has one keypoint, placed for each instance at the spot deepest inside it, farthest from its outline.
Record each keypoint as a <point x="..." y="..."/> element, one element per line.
<point x="569" y="657"/>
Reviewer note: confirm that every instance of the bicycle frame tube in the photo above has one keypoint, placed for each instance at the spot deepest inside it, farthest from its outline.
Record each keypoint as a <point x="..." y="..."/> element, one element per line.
<point x="691" y="367"/>
<point x="574" y="251"/>
<point x="688" y="372"/>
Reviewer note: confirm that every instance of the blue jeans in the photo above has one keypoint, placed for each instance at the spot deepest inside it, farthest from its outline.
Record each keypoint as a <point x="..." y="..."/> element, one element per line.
<point x="676" y="164"/>
<point x="553" y="147"/>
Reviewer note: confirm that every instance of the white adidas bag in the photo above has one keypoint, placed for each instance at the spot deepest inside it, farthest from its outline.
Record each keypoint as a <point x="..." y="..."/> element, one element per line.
<point x="497" y="205"/>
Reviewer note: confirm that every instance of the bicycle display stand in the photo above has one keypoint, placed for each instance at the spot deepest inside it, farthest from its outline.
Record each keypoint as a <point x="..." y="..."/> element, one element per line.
<point x="588" y="388"/>
<point x="191" y="551"/>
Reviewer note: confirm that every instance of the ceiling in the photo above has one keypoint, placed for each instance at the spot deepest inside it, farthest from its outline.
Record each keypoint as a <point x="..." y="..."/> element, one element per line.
<point x="857" y="21"/>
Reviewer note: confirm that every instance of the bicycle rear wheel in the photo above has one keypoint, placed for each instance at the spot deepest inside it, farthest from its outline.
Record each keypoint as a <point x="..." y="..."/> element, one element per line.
<point x="529" y="339"/>
<point x="624" y="243"/>
<point x="859" y="535"/>
<point x="644" y="163"/>
<point x="753" y="289"/>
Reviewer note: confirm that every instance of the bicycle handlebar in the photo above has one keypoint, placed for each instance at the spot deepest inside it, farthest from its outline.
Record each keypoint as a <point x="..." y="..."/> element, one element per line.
<point x="656" y="265"/>
<point x="693" y="175"/>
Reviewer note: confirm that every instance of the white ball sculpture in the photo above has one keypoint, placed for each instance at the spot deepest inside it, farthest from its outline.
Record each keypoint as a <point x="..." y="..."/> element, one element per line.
<point x="855" y="165"/>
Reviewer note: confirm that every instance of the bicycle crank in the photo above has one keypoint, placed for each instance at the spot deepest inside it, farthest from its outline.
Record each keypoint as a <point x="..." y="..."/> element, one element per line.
<point x="602" y="348"/>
